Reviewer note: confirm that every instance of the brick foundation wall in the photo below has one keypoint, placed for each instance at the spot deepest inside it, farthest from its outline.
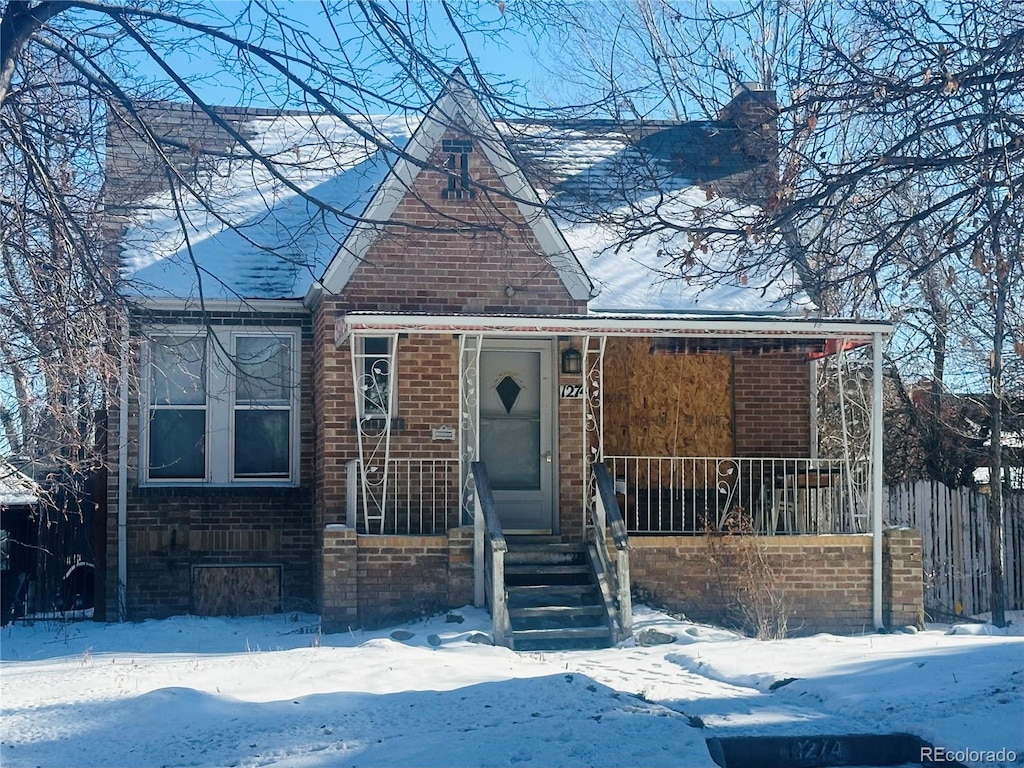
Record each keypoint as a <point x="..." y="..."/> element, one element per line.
<point x="825" y="582"/>
<point x="903" y="587"/>
<point x="771" y="396"/>
<point x="371" y="581"/>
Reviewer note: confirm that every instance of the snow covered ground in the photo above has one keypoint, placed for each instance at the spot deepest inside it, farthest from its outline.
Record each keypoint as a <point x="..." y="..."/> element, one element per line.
<point x="273" y="692"/>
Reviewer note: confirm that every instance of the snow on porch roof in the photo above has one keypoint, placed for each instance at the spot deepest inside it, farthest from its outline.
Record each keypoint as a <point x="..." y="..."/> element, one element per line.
<point x="637" y="324"/>
<point x="16" y="488"/>
<point x="260" y="239"/>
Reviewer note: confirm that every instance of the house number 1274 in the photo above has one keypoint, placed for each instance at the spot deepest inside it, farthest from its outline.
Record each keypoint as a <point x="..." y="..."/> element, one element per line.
<point x="570" y="390"/>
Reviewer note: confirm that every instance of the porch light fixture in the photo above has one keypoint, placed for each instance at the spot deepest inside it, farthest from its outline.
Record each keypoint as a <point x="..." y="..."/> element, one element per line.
<point x="572" y="361"/>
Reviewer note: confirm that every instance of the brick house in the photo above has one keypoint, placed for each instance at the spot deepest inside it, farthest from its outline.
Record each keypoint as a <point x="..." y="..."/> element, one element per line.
<point x="441" y="393"/>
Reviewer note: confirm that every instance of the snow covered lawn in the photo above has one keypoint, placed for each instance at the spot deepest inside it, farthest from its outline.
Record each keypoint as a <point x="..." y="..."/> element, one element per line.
<point x="272" y="692"/>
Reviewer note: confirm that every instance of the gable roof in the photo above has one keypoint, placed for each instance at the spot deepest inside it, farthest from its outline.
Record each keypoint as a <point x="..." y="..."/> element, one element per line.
<point x="264" y="238"/>
<point x="457" y="106"/>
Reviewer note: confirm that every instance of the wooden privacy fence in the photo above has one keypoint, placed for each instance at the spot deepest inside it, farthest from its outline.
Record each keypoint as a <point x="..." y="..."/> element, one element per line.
<point x="956" y="554"/>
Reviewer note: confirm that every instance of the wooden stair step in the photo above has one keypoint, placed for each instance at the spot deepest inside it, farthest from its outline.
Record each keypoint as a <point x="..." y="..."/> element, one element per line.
<point x="544" y="569"/>
<point x="568" y="611"/>
<point x="532" y="547"/>
<point x="541" y="589"/>
<point x="566" y="633"/>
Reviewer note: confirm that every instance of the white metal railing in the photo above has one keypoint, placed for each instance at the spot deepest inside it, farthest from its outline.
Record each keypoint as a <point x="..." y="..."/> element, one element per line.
<point x="416" y="496"/>
<point x="766" y="495"/>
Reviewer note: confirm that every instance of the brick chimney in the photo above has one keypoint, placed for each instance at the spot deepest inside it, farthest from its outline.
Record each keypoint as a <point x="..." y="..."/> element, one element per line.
<point x="754" y="112"/>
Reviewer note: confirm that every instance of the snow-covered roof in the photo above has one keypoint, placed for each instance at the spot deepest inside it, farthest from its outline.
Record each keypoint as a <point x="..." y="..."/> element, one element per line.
<point x="258" y="236"/>
<point x="259" y="233"/>
<point x="16" y="488"/>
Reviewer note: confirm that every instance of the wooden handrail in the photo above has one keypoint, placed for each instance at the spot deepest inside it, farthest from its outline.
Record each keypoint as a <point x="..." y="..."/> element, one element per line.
<point x="482" y="483"/>
<point x="490" y="555"/>
<point x="611" y="505"/>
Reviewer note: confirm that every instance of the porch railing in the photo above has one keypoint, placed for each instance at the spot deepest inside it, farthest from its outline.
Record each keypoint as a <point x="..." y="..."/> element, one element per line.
<point x="489" y="548"/>
<point x="765" y="495"/>
<point x="606" y="518"/>
<point x="420" y="496"/>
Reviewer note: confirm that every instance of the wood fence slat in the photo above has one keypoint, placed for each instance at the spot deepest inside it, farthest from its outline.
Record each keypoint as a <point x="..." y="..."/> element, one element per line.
<point x="954" y="526"/>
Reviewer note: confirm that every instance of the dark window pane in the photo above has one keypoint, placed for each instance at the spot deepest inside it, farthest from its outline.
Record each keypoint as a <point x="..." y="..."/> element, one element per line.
<point x="261" y="443"/>
<point x="376" y="374"/>
<point x="177" y="444"/>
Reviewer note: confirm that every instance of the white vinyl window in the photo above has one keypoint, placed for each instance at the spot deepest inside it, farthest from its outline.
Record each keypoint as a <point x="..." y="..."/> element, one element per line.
<point x="263" y="406"/>
<point x="177" y="408"/>
<point x="222" y="407"/>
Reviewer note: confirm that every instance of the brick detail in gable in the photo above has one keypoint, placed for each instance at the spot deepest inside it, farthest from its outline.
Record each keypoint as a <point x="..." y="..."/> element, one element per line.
<point x="447" y="255"/>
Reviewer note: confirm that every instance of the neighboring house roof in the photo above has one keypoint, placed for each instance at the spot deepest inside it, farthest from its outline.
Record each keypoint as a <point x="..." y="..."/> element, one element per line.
<point x="256" y="236"/>
<point x="16" y="488"/>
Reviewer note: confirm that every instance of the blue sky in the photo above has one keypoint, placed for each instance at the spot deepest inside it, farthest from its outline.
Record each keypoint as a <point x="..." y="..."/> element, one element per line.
<point x="504" y="49"/>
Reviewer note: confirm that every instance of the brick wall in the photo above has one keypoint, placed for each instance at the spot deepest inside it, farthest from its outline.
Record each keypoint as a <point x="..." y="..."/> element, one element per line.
<point x="448" y="255"/>
<point x="372" y="581"/>
<point x="427" y="398"/>
<point x="772" y="405"/>
<point x="170" y="529"/>
<point x="570" y="455"/>
<point x="903" y="588"/>
<point x="825" y="582"/>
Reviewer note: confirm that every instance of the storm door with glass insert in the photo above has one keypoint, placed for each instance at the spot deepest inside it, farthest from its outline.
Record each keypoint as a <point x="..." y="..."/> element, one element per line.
<point x="515" y="432"/>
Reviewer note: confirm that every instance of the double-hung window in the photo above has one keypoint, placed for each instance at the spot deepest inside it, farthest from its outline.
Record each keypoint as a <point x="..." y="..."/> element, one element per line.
<point x="177" y="408"/>
<point x="263" y="408"/>
<point x="222" y="407"/>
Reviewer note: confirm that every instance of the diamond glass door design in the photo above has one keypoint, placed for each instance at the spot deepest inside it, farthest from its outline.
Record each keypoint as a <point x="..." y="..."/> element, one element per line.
<point x="515" y="432"/>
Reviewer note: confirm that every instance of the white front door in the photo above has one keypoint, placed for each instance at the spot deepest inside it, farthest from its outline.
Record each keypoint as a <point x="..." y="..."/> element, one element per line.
<point x="516" y="431"/>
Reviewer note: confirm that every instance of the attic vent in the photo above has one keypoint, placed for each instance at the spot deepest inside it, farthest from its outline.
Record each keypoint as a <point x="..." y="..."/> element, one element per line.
<point x="458" y="151"/>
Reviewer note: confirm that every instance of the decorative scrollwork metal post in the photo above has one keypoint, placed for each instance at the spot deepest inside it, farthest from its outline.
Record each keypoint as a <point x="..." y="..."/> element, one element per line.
<point x="593" y="416"/>
<point x="374" y="390"/>
<point x="469" y="419"/>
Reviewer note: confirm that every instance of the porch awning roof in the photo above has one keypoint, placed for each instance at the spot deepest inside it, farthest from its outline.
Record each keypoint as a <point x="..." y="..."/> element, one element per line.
<point x="654" y="324"/>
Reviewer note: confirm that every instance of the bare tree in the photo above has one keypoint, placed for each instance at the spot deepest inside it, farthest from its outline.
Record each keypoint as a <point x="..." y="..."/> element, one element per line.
<point x="73" y="72"/>
<point x="898" y="179"/>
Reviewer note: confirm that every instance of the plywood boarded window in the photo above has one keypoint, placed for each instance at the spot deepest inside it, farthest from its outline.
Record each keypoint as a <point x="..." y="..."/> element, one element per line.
<point x="244" y="590"/>
<point x="666" y="405"/>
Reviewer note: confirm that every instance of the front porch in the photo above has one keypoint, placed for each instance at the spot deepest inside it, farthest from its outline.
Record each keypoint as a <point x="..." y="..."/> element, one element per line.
<point x="741" y="390"/>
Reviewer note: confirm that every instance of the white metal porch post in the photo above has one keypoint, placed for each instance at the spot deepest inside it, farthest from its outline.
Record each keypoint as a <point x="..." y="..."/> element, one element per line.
<point x="469" y="451"/>
<point x="593" y="413"/>
<point x="373" y="442"/>
<point x="876" y="478"/>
